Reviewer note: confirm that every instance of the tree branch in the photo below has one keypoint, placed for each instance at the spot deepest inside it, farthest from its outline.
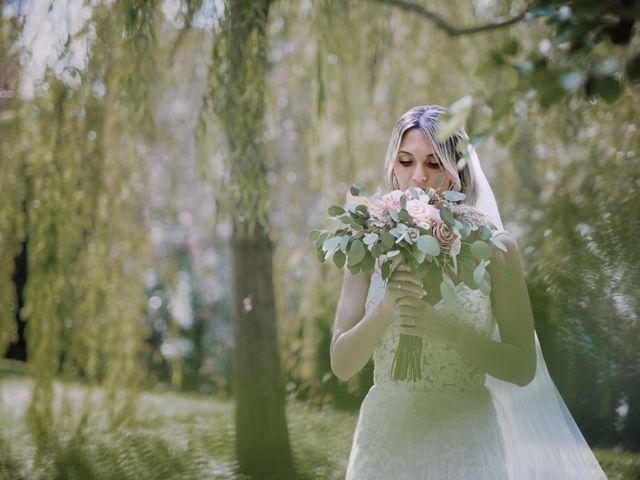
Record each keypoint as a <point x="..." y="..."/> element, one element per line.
<point x="412" y="7"/>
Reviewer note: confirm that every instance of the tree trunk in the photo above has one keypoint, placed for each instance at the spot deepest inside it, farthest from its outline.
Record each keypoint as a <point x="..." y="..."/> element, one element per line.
<point x="262" y="441"/>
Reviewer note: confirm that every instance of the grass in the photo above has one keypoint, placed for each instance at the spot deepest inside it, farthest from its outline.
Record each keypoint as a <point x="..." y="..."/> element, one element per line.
<point x="189" y="436"/>
<point x="185" y="436"/>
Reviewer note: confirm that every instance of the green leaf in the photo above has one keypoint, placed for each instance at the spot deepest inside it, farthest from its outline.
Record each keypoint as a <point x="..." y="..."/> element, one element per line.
<point x="330" y="246"/>
<point x="403" y="201"/>
<point x="448" y="290"/>
<point x="344" y="243"/>
<point x="387" y="239"/>
<point x="368" y="263"/>
<point x="484" y="233"/>
<point x="632" y="69"/>
<point x="377" y="250"/>
<point x="405" y="217"/>
<point x="428" y="245"/>
<point x="355" y="190"/>
<point x="447" y="216"/>
<point x="481" y="250"/>
<point x="385" y="269"/>
<point x="498" y="244"/>
<point x="357" y="252"/>
<point x="392" y="253"/>
<point x="362" y="210"/>
<point x="453" y="118"/>
<point x="320" y="239"/>
<point x="313" y="235"/>
<point x="479" y="272"/>
<point x="453" y="196"/>
<point x="370" y="238"/>
<point x="511" y="47"/>
<point x="339" y="259"/>
<point x="335" y="210"/>
<point x="607" y="87"/>
<point x="393" y="213"/>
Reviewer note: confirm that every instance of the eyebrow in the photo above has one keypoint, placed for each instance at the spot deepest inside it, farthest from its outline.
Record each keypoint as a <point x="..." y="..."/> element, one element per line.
<point x="409" y="153"/>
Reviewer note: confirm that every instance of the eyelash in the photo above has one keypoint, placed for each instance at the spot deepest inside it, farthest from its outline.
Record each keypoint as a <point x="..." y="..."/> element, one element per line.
<point x="407" y="163"/>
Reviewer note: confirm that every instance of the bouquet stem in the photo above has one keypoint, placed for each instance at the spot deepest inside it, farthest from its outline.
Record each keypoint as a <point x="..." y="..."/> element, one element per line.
<point x="407" y="359"/>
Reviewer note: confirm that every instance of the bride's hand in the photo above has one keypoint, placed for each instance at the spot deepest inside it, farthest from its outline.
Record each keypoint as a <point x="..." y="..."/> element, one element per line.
<point x="419" y="318"/>
<point x="401" y="284"/>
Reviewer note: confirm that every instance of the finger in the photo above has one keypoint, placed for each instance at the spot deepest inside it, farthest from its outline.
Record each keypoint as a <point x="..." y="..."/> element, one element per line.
<point x="408" y="311"/>
<point x="406" y="288"/>
<point x="405" y="277"/>
<point x="415" y="302"/>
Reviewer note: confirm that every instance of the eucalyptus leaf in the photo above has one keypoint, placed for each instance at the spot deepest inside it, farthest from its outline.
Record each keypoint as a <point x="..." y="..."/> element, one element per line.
<point x="453" y="196"/>
<point x="335" y="210"/>
<point x="368" y="263"/>
<point x="344" y="243"/>
<point x="481" y="250"/>
<point x="357" y="252"/>
<point x="370" y="238"/>
<point x="331" y="244"/>
<point x="339" y="259"/>
<point x="479" y="272"/>
<point x="498" y="244"/>
<point x="393" y="213"/>
<point x="448" y="290"/>
<point x="428" y="245"/>
<point x="387" y="239"/>
<point x="447" y="216"/>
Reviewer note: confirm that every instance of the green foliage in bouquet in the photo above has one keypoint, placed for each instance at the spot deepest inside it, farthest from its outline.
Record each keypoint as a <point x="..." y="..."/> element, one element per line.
<point x="429" y="232"/>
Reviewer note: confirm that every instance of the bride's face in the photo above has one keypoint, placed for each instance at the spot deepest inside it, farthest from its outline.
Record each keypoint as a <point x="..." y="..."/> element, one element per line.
<point x="416" y="164"/>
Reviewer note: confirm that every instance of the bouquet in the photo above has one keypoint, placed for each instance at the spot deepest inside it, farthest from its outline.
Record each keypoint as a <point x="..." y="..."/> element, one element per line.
<point x="428" y="231"/>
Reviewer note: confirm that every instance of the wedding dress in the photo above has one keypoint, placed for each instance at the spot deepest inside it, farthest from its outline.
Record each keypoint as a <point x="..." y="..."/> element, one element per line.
<point x="444" y="425"/>
<point x="457" y="422"/>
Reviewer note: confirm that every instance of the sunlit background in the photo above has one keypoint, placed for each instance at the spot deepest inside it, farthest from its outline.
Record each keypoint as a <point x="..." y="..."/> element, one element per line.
<point x="128" y="166"/>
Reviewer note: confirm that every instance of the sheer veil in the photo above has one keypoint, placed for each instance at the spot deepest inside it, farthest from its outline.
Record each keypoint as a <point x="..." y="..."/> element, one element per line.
<point x="541" y="438"/>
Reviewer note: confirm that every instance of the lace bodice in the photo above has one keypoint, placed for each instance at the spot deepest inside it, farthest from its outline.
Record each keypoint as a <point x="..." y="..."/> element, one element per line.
<point x="442" y="366"/>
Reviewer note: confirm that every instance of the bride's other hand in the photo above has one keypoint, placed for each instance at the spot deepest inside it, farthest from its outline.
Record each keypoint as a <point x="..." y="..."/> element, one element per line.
<point x="419" y="318"/>
<point x="401" y="284"/>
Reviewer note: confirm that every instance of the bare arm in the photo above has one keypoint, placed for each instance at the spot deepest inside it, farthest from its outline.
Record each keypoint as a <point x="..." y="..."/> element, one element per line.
<point x="356" y="334"/>
<point x="512" y="359"/>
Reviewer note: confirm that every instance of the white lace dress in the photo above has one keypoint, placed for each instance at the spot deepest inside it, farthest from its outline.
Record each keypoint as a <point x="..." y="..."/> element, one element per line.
<point x="443" y="426"/>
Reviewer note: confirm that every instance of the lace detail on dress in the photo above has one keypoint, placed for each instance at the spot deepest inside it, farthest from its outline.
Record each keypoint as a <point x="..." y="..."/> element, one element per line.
<point x="442" y="366"/>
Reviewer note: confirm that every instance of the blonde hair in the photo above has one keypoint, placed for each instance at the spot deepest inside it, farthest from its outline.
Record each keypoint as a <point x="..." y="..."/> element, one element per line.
<point x="425" y="118"/>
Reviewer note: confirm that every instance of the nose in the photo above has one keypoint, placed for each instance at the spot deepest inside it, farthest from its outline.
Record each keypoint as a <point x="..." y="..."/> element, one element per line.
<point x="420" y="178"/>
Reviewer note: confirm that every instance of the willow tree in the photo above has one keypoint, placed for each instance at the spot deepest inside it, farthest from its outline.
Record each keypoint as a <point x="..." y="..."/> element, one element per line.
<point x="238" y="82"/>
<point x="73" y="162"/>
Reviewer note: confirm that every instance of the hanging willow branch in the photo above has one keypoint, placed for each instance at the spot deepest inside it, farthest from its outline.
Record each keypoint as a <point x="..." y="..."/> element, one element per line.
<point x="442" y="24"/>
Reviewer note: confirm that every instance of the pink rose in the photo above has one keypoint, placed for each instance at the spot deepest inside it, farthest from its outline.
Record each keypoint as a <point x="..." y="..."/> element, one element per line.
<point x="423" y="213"/>
<point x="448" y="238"/>
<point x="393" y="203"/>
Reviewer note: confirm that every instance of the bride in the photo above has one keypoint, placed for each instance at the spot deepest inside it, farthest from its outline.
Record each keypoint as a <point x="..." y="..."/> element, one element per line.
<point x="485" y="407"/>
